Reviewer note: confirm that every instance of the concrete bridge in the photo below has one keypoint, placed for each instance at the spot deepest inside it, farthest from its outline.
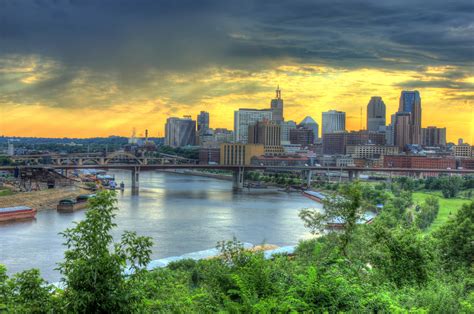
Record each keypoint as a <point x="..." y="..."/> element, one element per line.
<point x="99" y="159"/>
<point x="238" y="170"/>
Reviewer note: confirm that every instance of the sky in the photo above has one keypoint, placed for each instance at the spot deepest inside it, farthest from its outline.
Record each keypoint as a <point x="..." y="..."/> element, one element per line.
<point x="85" y="68"/>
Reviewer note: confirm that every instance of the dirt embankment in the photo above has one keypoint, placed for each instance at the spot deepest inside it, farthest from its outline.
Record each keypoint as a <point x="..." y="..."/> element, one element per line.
<point x="45" y="199"/>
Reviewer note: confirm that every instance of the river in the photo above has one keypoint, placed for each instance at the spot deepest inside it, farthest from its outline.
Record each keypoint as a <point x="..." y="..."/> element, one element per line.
<point x="181" y="213"/>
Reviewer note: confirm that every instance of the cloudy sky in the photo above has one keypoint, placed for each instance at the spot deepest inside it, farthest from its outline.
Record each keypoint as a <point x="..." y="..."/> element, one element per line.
<point x="101" y="67"/>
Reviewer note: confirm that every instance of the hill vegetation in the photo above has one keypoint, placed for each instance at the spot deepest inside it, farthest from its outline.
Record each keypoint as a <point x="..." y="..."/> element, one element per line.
<point x="390" y="265"/>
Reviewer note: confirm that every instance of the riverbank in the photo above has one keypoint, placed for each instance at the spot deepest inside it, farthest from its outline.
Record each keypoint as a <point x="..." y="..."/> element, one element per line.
<point x="41" y="200"/>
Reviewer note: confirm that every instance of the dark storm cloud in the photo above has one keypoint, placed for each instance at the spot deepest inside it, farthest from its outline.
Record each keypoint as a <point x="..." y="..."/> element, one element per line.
<point x="177" y="35"/>
<point x="128" y="39"/>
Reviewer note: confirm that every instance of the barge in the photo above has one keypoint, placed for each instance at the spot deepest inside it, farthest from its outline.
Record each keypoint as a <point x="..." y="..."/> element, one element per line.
<point x="70" y="205"/>
<point x="315" y="196"/>
<point x="17" y="213"/>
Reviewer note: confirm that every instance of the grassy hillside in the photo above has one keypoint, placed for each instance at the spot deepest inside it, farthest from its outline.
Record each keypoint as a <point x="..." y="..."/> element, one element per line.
<point x="447" y="206"/>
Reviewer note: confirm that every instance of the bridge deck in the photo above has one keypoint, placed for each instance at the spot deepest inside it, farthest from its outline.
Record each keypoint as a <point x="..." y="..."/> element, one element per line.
<point x="237" y="167"/>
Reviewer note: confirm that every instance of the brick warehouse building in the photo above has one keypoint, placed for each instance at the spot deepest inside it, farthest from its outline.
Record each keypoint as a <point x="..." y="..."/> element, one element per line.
<point x="420" y="162"/>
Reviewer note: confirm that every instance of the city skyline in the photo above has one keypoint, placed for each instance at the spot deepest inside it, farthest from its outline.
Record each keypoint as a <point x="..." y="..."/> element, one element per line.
<point x="91" y="77"/>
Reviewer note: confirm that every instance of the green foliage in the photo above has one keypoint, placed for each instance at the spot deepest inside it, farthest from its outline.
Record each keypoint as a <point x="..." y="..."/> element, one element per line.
<point x="427" y="213"/>
<point x="401" y="255"/>
<point x="456" y="239"/>
<point x="346" y="206"/>
<point x="389" y="266"/>
<point x="450" y="186"/>
<point x="25" y="292"/>
<point x="94" y="275"/>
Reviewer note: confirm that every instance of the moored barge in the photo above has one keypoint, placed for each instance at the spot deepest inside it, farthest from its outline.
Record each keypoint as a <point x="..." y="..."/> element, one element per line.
<point x="16" y="213"/>
<point x="70" y="205"/>
<point x="315" y="196"/>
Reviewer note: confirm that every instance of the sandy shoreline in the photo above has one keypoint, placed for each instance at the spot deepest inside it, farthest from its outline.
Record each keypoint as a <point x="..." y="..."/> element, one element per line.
<point x="41" y="200"/>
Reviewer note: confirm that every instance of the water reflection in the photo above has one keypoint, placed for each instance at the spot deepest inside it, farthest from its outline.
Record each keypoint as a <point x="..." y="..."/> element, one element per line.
<point x="181" y="213"/>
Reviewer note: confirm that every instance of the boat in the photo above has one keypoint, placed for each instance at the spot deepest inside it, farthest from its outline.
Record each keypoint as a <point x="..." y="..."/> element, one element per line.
<point x="16" y="213"/>
<point x="69" y="205"/>
<point x="315" y="196"/>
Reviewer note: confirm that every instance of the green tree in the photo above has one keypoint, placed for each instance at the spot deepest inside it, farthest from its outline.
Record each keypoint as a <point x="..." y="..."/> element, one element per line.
<point x="400" y="255"/>
<point x="450" y="186"/>
<point x="427" y="212"/>
<point x="93" y="274"/>
<point x="456" y="238"/>
<point x="346" y="206"/>
<point x="25" y="292"/>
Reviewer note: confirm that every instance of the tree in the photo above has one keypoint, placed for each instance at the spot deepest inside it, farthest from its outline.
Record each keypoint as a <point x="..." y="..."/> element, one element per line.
<point x="400" y="255"/>
<point x="450" y="186"/>
<point x="427" y="212"/>
<point x="345" y="207"/>
<point x="456" y="238"/>
<point x="25" y="292"/>
<point x="94" y="276"/>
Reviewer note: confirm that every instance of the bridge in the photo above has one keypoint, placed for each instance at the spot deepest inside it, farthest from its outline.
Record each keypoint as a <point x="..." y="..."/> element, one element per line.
<point x="99" y="159"/>
<point x="238" y="170"/>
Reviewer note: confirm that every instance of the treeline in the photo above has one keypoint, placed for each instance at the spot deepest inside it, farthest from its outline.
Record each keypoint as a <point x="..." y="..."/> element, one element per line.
<point x="450" y="186"/>
<point x="388" y="266"/>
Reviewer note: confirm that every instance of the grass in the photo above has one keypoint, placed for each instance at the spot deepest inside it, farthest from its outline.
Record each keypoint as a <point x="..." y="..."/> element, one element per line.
<point x="5" y="192"/>
<point x="447" y="206"/>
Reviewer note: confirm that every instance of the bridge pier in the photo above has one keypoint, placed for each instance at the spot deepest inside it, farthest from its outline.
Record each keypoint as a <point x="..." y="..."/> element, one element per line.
<point x="353" y="174"/>
<point x="238" y="179"/>
<point x="307" y="176"/>
<point x="135" y="179"/>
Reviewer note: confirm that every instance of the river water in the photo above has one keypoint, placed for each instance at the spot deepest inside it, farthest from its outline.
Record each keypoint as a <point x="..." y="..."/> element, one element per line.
<point x="181" y="213"/>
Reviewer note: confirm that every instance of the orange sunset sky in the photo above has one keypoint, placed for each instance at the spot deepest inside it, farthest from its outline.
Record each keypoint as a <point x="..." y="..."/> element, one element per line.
<point x="63" y="75"/>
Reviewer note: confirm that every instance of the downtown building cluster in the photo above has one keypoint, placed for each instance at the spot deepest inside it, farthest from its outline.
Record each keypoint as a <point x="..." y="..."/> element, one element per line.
<point x="264" y="137"/>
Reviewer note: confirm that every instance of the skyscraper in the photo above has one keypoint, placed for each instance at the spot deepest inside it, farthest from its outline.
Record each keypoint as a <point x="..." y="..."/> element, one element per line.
<point x="286" y="127"/>
<point x="180" y="131"/>
<point x="333" y="121"/>
<point x="203" y="127"/>
<point x="309" y="123"/>
<point x="245" y="117"/>
<point x="410" y="101"/>
<point x="433" y="136"/>
<point x="375" y="114"/>
<point x="203" y="122"/>
<point x="265" y="132"/>
<point x="402" y="129"/>
<point x="277" y="107"/>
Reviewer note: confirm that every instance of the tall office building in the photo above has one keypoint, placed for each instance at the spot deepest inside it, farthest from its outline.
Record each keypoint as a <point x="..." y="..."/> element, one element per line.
<point x="286" y="127"/>
<point x="180" y="131"/>
<point x="264" y="132"/>
<point x="402" y="129"/>
<point x="203" y="122"/>
<point x="410" y="102"/>
<point x="277" y="107"/>
<point x="203" y="130"/>
<point x="333" y="121"/>
<point x="245" y="117"/>
<point x="375" y="114"/>
<point x="433" y="136"/>
<point x="309" y="123"/>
